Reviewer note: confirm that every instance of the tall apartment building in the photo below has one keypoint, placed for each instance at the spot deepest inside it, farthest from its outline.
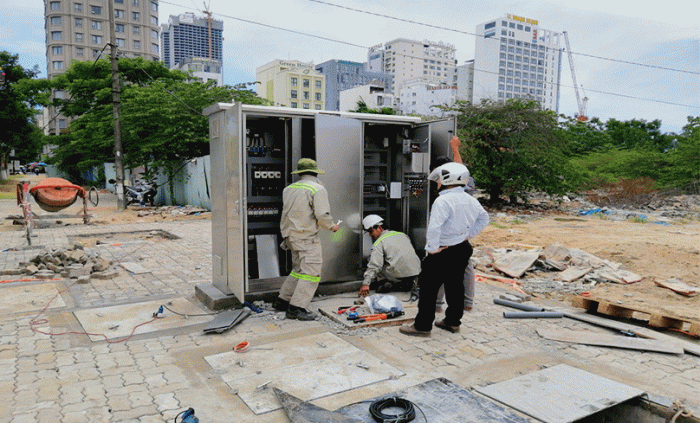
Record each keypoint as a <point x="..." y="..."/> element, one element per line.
<point x="465" y="81"/>
<point x="188" y="36"/>
<point x="409" y="60"/>
<point x="342" y="75"/>
<point x="78" y="30"/>
<point x="291" y="83"/>
<point x="515" y="58"/>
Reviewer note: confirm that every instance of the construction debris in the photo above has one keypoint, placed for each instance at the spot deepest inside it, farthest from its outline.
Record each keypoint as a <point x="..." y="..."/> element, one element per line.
<point x="553" y="268"/>
<point x="187" y="210"/>
<point x="73" y="263"/>
<point x="677" y="286"/>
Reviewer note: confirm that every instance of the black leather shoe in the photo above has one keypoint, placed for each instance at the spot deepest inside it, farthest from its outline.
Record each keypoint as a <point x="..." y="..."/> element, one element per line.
<point x="280" y="304"/>
<point x="441" y="324"/>
<point x="299" y="313"/>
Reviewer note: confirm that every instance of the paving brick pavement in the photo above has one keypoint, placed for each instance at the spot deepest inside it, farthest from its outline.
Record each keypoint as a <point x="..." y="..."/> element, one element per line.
<point x="153" y="376"/>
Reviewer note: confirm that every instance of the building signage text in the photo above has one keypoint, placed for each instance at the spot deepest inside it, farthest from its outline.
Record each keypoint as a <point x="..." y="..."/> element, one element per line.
<point x="521" y="19"/>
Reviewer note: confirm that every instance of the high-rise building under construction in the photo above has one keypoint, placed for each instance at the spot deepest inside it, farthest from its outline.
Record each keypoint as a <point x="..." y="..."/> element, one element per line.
<point x="188" y="36"/>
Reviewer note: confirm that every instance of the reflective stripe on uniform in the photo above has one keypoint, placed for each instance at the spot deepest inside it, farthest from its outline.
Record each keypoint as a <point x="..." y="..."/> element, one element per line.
<point x="302" y="185"/>
<point x="305" y="277"/>
<point x="386" y="235"/>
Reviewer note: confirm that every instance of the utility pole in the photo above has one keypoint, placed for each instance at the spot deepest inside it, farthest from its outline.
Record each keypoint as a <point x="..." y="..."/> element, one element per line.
<point x="118" y="156"/>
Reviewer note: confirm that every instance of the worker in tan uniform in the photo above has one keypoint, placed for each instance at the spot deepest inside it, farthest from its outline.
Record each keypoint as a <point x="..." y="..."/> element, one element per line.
<point x="393" y="261"/>
<point x="305" y="210"/>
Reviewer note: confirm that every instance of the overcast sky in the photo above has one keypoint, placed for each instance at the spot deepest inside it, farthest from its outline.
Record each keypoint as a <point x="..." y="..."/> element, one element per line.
<point x="658" y="34"/>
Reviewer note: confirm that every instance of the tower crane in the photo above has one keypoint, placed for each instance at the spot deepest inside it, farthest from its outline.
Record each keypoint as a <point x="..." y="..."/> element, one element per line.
<point x="208" y="13"/>
<point x="580" y="102"/>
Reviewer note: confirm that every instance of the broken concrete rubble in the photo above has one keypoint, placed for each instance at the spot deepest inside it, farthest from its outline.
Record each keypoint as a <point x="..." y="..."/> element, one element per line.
<point x="72" y="263"/>
<point x="554" y="268"/>
<point x="187" y="210"/>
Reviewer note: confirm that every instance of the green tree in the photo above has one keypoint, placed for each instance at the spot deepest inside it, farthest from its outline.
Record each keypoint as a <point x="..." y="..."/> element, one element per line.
<point x="161" y="111"/>
<point x="18" y="131"/>
<point x="638" y="133"/>
<point x="685" y="157"/>
<point x="513" y="147"/>
<point x="584" y="137"/>
<point x="363" y="108"/>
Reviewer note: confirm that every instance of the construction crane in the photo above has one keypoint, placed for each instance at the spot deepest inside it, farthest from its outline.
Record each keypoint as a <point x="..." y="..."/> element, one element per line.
<point x="208" y="13"/>
<point x="581" y="117"/>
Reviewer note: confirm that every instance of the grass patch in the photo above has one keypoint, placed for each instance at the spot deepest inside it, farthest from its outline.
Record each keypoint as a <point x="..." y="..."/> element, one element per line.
<point x="499" y="226"/>
<point x="7" y="195"/>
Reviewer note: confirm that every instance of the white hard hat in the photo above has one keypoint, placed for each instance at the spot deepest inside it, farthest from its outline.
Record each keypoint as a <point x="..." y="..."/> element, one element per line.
<point x="371" y="221"/>
<point x="450" y="174"/>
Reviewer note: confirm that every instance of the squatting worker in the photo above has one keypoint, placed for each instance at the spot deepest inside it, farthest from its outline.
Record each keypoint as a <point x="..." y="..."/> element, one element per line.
<point x="454" y="218"/>
<point x="305" y="210"/>
<point x="393" y="262"/>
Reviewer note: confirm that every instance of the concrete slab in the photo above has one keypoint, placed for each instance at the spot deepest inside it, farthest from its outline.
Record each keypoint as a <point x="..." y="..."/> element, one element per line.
<point x="560" y="394"/>
<point x="119" y="321"/>
<point x="134" y="268"/>
<point x="30" y="298"/>
<point x="607" y="340"/>
<point x="308" y="367"/>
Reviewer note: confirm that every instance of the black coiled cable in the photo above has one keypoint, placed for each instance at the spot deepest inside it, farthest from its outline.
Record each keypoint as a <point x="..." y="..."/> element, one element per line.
<point x="409" y="413"/>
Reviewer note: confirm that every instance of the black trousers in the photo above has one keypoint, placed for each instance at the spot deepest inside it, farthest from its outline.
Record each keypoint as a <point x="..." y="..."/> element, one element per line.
<point x="446" y="267"/>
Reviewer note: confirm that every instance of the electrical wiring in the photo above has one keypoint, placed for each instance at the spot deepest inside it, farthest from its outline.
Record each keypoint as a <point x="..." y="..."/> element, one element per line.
<point x="36" y="321"/>
<point x="407" y="415"/>
<point x="479" y="35"/>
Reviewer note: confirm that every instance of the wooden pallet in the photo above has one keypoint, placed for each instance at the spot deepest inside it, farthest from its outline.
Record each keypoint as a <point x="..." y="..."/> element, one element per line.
<point x="625" y="311"/>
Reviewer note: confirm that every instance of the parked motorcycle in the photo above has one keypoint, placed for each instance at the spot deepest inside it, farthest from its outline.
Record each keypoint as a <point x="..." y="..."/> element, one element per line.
<point x="143" y="192"/>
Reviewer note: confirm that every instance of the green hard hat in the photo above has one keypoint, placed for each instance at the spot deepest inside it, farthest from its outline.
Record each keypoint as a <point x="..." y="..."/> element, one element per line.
<point x="308" y="165"/>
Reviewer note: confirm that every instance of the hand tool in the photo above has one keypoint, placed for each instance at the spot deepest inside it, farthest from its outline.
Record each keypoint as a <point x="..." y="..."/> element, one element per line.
<point x="380" y="316"/>
<point x="348" y="309"/>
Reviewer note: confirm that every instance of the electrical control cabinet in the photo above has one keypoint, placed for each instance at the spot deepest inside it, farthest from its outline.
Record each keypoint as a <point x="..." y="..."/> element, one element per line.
<point x="373" y="163"/>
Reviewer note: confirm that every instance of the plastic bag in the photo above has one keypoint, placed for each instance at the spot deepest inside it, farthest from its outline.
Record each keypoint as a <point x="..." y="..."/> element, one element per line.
<point x="382" y="303"/>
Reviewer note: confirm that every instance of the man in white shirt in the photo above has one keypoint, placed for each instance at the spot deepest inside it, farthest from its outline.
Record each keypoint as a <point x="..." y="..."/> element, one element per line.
<point x="455" y="217"/>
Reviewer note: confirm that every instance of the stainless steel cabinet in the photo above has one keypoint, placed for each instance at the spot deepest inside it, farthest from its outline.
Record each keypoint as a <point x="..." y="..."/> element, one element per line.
<point x="373" y="163"/>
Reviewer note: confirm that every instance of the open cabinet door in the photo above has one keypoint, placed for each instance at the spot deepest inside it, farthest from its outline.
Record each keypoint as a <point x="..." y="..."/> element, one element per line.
<point x="228" y="186"/>
<point x="339" y="153"/>
<point x="441" y="132"/>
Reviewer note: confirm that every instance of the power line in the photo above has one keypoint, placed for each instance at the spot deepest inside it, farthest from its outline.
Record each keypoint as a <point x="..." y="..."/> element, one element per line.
<point x="478" y="35"/>
<point x="413" y="57"/>
<point x="273" y="27"/>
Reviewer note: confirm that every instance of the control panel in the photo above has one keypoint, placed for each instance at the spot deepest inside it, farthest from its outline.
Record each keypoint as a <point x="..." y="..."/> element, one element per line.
<point x="267" y="180"/>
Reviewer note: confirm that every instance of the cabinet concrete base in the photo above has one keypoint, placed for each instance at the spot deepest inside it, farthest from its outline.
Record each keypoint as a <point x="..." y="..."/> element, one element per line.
<point x="214" y="298"/>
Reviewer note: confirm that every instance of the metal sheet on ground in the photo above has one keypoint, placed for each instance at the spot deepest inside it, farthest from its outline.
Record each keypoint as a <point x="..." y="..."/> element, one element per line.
<point x="441" y="401"/>
<point x="308" y="367"/>
<point x="29" y="298"/>
<point x="607" y="340"/>
<point x="118" y="321"/>
<point x="226" y="320"/>
<point x="299" y="411"/>
<point x="560" y="394"/>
